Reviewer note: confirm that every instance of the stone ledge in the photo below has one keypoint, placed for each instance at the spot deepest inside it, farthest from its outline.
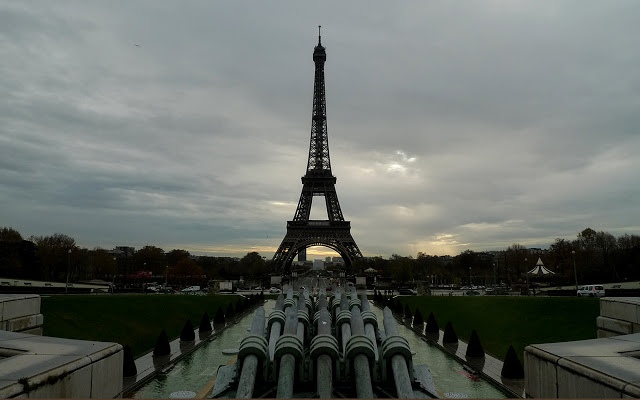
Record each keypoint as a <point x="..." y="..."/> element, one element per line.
<point x="22" y="323"/>
<point x="595" y="367"/>
<point x="18" y="305"/>
<point x="59" y="368"/>
<point x="621" y="308"/>
<point x="614" y="325"/>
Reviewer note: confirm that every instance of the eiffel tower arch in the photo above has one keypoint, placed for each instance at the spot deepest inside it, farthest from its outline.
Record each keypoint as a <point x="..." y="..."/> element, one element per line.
<point x="302" y="232"/>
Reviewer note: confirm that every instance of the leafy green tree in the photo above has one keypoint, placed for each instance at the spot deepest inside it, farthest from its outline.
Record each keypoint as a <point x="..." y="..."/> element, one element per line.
<point x="252" y="264"/>
<point x="515" y="255"/>
<point x="150" y="258"/>
<point x="187" y="271"/>
<point x="10" y="235"/>
<point x="17" y="256"/>
<point x="54" y="255"/>
<point x="176" y="255"/>
<point x="402" y="268"/>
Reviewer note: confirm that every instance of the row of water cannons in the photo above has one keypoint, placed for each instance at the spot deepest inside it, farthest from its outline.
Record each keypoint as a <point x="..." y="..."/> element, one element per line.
<point x="328" y="346"/>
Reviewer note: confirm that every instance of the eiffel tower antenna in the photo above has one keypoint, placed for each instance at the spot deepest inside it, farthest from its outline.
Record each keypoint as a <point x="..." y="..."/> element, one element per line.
<point x="334" y="232"/>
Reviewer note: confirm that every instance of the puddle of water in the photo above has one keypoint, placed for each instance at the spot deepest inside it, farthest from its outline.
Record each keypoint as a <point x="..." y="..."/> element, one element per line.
<point x="197" y="369"/>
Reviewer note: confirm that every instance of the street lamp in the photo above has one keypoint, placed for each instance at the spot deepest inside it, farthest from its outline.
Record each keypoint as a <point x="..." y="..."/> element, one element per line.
<point x="113" y="282"/>
<point x="470" y="283"/>
<point x="494" y="274"/>
<point x="166" y="277"/>
<point x="527" y="274"/>
<point x="66" y="289"/>
<point x="575" y="271"/>
<point x="144" y="270"/>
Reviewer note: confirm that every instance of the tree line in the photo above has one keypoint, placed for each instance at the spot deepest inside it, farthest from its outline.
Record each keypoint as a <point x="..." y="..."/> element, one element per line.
<point x="598" y="257"/>
<point x="56" y="257"/>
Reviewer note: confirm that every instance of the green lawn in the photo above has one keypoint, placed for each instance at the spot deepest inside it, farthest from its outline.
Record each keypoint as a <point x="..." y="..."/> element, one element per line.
<point x="135" y="320"/>
<point x="518" y="321"/>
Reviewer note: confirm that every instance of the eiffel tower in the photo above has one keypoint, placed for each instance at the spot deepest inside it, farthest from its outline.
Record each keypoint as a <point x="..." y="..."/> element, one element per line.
<point x="333" y="232"/>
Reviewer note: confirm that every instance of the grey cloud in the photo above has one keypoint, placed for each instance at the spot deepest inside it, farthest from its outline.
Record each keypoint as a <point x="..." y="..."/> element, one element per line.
<point x="520" y="119"/>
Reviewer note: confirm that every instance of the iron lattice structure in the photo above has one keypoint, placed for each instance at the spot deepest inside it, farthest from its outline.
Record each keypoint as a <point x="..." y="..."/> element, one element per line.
<point x="302" y="232"/>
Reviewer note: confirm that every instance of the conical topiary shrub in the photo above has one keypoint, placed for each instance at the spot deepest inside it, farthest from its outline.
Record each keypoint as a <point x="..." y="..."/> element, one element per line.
<point x="205" y="323"/>
<point x="418" y="321"/>
<point x="187" y="334"/>
<point x="391" y="304"/>
<point x="398" y="308"/>
<point x="432" y="325"/>
<point x="239" y="306"/>
<point x="261" y="295"/>
<point x="162" y="347"/>
<point x="449" y="334"/>
<point x="231" y="312"/>
<point x="407" y="313"/>
<point x="219" y="318"/>
<point x="474" y="348"/>
<point x="128" y="363"/>
<point x="512" y="368"/>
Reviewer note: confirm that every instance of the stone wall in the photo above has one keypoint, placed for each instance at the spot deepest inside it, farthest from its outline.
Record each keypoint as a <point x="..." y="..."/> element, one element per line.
<point x="608" y="367"/>
<point x="21" y="313"/>
<point x="35" y="366"/>
<point x="619" y="316"/>
<point x="46" y="367"/>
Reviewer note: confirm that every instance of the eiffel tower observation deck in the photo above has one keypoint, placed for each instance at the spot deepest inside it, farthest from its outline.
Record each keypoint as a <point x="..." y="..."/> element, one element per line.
<point x="334" y="232"/>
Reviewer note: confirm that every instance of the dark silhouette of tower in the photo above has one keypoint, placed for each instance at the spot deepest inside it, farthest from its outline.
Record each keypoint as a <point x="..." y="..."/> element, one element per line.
<point x="334" y="232"/>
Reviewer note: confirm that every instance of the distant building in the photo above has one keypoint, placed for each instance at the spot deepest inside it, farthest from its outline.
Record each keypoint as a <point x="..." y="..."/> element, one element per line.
<point x="536" y="250"/>
<point x="302" y="255"/>
<point x="318" y="263"/>
<point x="123" y="251"/>
<point x="338" y="260"/>
<point x="327" y="259"/>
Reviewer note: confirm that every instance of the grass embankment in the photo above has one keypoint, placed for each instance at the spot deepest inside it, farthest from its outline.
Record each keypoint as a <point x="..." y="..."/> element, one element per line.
<point x="518" y="321"/>
<point x="134" y="320"/>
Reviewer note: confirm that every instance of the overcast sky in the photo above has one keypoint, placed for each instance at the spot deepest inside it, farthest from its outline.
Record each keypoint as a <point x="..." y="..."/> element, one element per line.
<point x="452" y="125"/>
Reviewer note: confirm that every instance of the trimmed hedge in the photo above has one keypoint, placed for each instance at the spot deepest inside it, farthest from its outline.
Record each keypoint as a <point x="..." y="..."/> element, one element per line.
<point x="407" y="313"/>
<point x="449" y="334"/>
<point x="418" y="321"/>
<point x="474" y="348"/>
<point x="128" y="363"/>
<point x="512" y="368"/>
<point x="231" y="312"/>
<point x="162" y="347"/>
<point x="187" y="334"/>
<point x="432" y="325"/>
<point x="205" y="323"/>
<point x="219" y="318"/>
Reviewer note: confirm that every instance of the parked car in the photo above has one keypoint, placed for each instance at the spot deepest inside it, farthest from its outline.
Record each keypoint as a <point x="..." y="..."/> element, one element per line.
<point x="258" y="288"/>
<point x="410" y="292"/>
<point x="472" y="293"/>
<point x="274" y="290"/>
<point x="591" y="291"/>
